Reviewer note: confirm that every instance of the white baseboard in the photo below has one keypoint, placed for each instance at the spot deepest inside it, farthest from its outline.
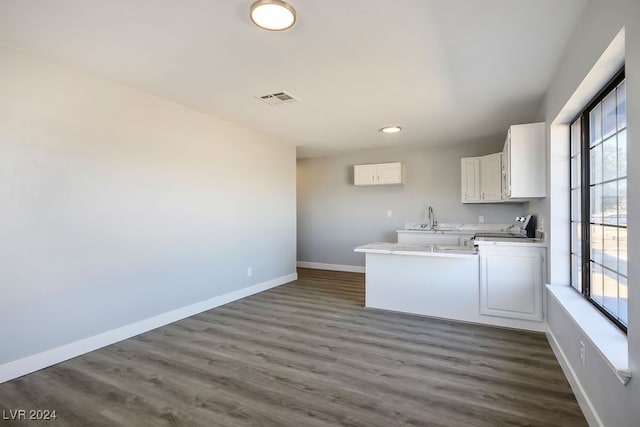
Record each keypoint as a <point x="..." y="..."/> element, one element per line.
<point x="334" y="267"/>
<point x="581" y="396"/>
<point x="26" y="365"/>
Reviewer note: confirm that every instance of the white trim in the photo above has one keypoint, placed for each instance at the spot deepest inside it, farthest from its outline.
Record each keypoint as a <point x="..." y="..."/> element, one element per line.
<point x="610" y="342"/>
<point x="609" y="63"/>
<point x="26" y="365"/>
<point x="581" y="396"/>
<point x="334" y="267"/>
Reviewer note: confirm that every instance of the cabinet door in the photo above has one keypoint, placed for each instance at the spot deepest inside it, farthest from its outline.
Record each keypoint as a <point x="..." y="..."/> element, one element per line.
<point x="506" y="167"/>
<point x="527" y="161"/>
<point x="511" y="284"/>
<point x="470" y="178"/>
<point x="364" y="175"/>
<point x="389" y="173"/>
<point x="491" y="178"/>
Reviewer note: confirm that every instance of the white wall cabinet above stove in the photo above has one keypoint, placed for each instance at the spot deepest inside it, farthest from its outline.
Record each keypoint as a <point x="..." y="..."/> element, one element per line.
<point x="523" y="162"/>
<point x="515" y="175"/>
<point x="378" y="174"/>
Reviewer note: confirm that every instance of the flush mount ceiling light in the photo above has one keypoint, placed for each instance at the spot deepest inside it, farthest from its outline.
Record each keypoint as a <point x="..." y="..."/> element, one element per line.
<point x="391" y="129"/>
<point x="273" y="15"/>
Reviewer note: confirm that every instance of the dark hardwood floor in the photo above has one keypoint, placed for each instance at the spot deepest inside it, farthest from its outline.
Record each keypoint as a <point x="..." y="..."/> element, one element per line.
<point x="306" y="354"/>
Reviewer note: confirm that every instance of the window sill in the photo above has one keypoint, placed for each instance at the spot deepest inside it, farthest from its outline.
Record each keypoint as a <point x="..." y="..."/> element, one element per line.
<point x="610" y="341"/>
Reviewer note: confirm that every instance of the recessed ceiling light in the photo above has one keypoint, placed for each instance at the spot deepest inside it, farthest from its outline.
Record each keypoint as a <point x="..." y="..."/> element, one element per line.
<point x="272" y="15"/>
<point x="391" y="129"/>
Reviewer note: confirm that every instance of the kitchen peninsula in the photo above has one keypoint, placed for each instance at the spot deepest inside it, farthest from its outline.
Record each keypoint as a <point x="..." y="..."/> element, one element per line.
<point x="450" y="281"/>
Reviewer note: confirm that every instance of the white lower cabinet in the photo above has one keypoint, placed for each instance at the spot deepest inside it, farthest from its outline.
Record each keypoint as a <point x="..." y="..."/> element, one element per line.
<point x="511" y="280"/>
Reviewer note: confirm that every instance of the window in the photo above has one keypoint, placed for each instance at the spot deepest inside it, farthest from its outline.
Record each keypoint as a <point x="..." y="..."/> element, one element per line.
<point x="599" y="202"/>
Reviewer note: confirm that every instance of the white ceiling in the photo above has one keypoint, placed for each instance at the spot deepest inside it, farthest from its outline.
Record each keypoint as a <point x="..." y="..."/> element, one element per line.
<point x="447" y="71"/>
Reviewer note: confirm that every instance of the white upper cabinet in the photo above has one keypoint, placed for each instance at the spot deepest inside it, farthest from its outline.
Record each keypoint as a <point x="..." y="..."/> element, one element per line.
<point x="470" y="167"/>
<point x="378" y="174"/>
<point x="481" y="179"/>
<point x="490" y="177"/>
<point x="390" y="173"/>
<point x="524" y="162"/>
<point x="365" y="175"/>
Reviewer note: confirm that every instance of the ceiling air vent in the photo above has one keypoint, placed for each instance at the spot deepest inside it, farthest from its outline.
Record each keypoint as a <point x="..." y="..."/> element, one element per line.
<point x="278" y="98"/>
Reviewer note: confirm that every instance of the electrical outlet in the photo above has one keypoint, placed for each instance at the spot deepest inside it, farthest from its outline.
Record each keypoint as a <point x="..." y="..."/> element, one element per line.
<point x="389" y="214"/>
<point x="249" y="271"/>
<point x="481" y="219"/>
<point x="541" y="224"/>
<point x="582" y="353"/>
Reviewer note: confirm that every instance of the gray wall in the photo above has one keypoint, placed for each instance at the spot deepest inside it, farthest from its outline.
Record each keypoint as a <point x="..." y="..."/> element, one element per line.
<point x="615" y="404"/>
<point x="334" y="216"/>
<point x="116" y="206"/>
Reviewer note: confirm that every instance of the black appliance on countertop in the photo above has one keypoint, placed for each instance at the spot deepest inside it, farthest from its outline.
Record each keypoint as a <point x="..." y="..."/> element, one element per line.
<point x="528" y="224"/>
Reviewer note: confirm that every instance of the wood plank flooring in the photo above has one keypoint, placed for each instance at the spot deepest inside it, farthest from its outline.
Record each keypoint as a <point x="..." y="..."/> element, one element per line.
<point x="306" y="354"/>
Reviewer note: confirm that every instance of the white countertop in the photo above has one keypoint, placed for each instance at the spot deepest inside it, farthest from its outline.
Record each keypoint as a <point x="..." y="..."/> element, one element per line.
<point x="472" y="229"/>
<point x="506" y="241"/>
<point x="441" y="231"/>
<point x="416" y="249"/>
<point x="454" y="228"/>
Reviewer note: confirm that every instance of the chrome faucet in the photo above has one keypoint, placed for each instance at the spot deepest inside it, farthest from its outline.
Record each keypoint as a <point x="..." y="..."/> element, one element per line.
<point x="432" y="218"/>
